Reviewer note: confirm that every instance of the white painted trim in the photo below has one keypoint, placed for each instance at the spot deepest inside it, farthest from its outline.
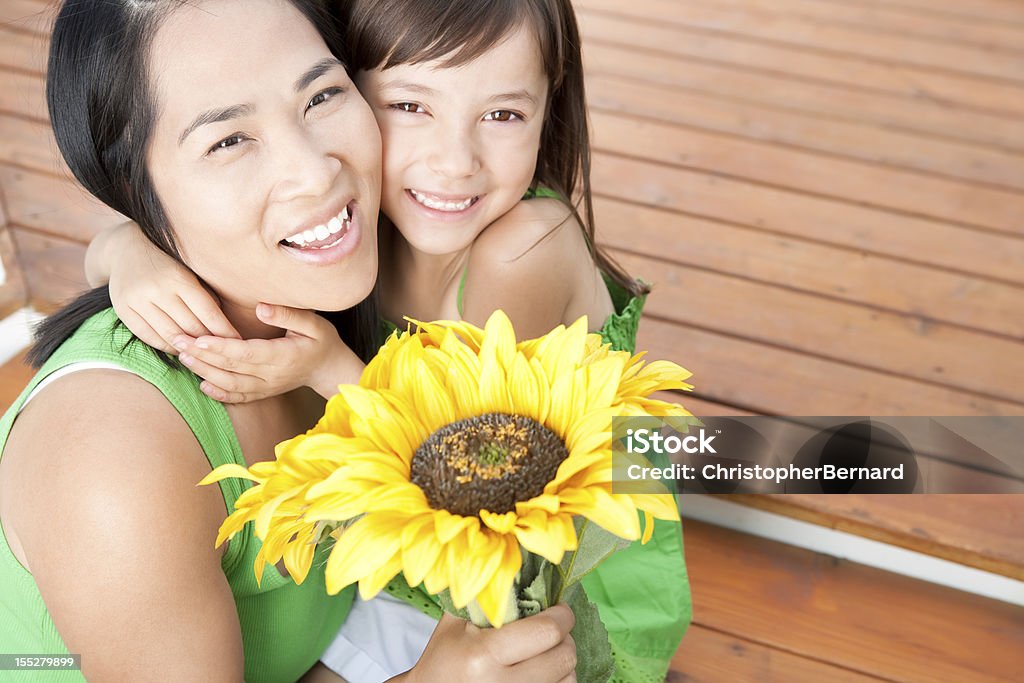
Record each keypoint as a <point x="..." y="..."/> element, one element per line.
<point x="850" y="547"/>
<point x="16" y="332"/>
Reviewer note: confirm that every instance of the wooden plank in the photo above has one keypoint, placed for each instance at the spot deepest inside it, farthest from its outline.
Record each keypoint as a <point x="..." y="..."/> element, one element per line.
<point x="23" y="94"/>
<point x="981" y="531"/>
<point x="706" y="655"/>
<point x="859" y="618"/>
<point x="756" y="25"/>
<point x="920" y="240"/>
<point x="23" y="51"/>
<point x="13" y="291"/>
<point x="773" y="381"/>
<point x="53" y="267"/>
<point x="55" y="205"/>
<point x="907" y="346"/>
<point x="806" y="131"/>
<point x="14" y="375"/>
<point x="893" y="19"/>
<point x="834" y="272"/>
<point x="1001" y="11"/>
<point x="27" y="15"/>
<point x="844" y="87"/>
<point x="820" y="175"/>
<point x="30" y="144"/>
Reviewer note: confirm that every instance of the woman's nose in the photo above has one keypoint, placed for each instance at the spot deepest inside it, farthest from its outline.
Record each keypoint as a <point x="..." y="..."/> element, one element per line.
<point x="304" y="168"/>
<point x="454" y="154"/>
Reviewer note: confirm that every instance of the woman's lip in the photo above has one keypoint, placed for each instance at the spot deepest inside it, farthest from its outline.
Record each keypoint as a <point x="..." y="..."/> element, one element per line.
<point x="440" y="215"/>
<point x="336" y="252"/>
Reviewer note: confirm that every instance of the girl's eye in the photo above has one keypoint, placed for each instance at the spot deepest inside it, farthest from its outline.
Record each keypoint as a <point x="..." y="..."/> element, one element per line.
<point x="229" y="141"/>
<point x="502" y="115"/>
<point x="322" y="97"/>
<point x="410" y="107"/>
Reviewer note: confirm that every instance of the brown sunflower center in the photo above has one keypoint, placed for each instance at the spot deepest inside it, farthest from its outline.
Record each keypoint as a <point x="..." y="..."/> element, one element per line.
<point x="488" y="462"/>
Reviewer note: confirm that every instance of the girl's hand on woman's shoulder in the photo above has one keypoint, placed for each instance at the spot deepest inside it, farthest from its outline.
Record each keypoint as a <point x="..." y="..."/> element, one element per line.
<point x="241" y="370"/>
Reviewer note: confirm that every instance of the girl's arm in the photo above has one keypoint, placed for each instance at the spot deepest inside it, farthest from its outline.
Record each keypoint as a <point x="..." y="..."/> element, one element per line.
<point x="167" y="307"/>
<point x="156" y="297"/>
<point x="101" y="497"/>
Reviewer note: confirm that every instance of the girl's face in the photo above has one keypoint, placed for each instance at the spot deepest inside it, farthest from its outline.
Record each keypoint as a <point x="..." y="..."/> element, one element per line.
<point x="264" y="156"/>
<point x="460" y="143"/>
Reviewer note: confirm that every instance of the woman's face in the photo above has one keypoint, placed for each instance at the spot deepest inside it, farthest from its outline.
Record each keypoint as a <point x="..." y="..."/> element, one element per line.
<point x="264" y="156"/>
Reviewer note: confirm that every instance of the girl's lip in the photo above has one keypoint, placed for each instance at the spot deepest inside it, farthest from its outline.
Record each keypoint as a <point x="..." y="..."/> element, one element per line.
<point x="336" y="252"/>
<point x="439" y="215"/>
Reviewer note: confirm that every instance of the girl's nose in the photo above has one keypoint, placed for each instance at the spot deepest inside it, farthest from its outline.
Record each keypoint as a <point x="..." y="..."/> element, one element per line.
<point x="454" y="155"/>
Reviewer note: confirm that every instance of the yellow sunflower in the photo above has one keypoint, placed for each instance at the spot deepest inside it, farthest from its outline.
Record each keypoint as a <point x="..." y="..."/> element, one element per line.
<point x="458" y="448"/>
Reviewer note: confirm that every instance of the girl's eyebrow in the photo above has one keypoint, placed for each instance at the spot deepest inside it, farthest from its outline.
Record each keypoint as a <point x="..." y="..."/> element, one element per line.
<point x="407" y="85"/>
<point x="238" y="110"/>
<point x="516" y="96"/>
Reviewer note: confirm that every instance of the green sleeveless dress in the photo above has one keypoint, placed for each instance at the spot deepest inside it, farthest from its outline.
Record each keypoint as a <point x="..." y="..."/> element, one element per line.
<point x="642" y="592"/>
<point x="285" y="627"/>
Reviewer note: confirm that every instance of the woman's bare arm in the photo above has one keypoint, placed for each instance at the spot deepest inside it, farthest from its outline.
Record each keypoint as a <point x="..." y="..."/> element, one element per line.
<point x="99" y="489"/>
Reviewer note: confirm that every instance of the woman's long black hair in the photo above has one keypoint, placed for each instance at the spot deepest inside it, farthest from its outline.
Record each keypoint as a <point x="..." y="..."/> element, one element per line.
<point x="102" y="114"/>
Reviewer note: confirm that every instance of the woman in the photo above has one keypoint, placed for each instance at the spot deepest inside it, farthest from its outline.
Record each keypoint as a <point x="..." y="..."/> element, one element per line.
<point x="220" y="127"/>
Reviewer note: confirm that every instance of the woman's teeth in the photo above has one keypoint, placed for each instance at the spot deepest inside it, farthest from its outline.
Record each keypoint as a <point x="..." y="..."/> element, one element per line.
<point x="441" y="204"/>
<point x="309" y="238"/>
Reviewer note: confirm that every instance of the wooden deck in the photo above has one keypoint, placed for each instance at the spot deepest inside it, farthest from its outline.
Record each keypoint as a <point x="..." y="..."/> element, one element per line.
<point x="829" y="198"/>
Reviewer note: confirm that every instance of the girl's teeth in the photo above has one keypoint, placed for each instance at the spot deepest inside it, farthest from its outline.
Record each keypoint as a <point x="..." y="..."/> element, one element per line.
<point x="440" y="205"/>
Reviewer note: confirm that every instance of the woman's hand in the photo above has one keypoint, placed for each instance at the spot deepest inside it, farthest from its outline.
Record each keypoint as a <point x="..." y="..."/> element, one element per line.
<point x="238" y="371"/>
<point x="156" y="297"/>
<point x="536" y="649"/>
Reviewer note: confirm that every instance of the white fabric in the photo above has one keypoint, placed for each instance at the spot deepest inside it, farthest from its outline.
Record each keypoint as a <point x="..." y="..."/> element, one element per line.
<point x="380" y="639"/>
<point x="67" y="370"/>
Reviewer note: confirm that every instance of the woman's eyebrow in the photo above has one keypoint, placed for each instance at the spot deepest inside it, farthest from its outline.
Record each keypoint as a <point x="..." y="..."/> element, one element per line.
<point x="316" y="71"/>
<point x="215" y="116"/>
<point x="238" y="110"/>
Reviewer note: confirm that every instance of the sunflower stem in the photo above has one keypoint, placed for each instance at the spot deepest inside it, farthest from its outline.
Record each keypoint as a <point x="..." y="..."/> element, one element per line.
<point x="477" y="616"/>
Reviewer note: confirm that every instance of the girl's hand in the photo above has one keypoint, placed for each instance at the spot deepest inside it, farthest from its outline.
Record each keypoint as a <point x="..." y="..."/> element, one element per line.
<point x="156" y="297"/>
<point x="238" y="371"/>
<point x="536" y="649"/>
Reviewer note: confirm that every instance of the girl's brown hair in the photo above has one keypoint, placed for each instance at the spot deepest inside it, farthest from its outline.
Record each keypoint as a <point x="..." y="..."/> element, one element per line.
<point x="387" y="33"/>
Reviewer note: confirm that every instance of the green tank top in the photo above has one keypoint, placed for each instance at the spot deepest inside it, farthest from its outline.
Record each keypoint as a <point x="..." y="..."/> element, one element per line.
<point x="285" y="627"/>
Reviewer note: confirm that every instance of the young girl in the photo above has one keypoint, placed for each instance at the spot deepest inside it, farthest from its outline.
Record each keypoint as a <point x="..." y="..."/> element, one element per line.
<point x="482" y="113"/>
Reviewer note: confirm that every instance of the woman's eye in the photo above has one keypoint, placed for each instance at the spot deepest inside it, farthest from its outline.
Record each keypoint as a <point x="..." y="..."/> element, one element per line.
<point x="410" y="107"/>
<point x="322" y="97"/>
<point x="229" y="141"/>
<point x="502" y="115"/>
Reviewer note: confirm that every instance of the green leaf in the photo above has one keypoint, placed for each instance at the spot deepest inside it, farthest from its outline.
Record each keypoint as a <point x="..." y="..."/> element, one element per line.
<point x="595" y="545"/>
<point x="594" y="661"/>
